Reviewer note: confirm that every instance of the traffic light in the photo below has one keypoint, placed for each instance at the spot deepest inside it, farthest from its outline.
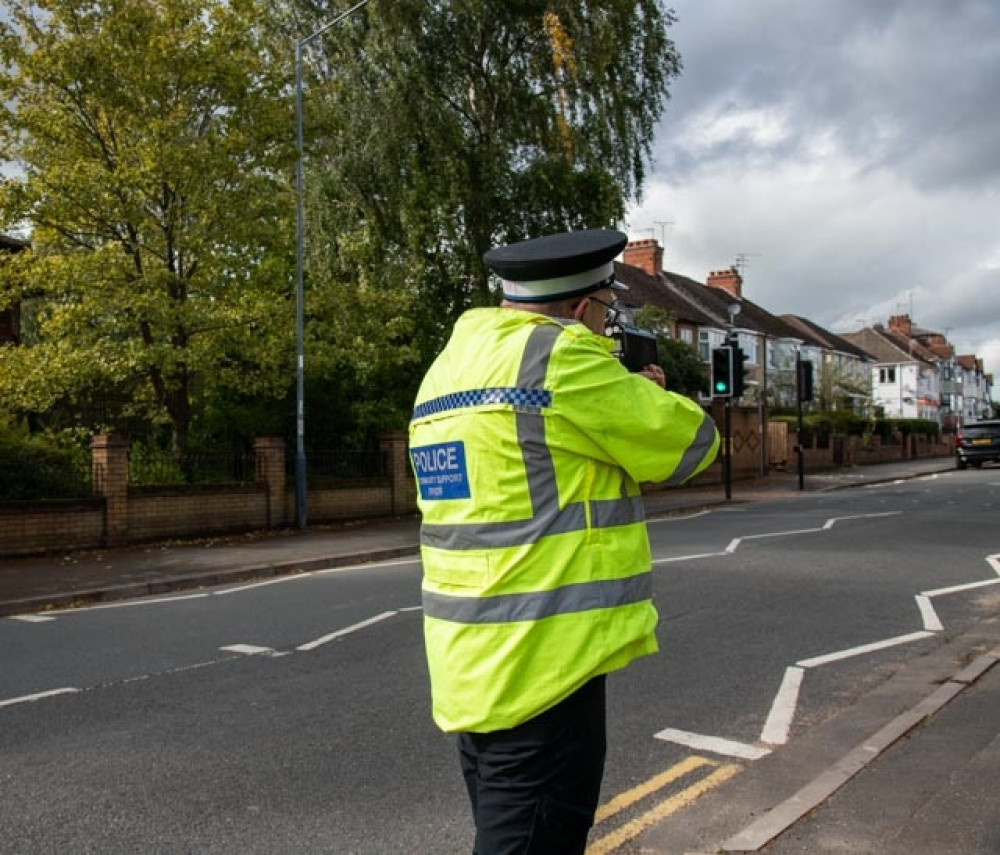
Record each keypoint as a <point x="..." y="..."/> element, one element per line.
<point x="804" y="370"/>
<point x="722" y="372"/>
<point x="738" y="359"/>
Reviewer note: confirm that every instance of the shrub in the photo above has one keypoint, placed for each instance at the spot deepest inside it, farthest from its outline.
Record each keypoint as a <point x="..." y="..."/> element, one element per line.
<point x="41" y="466"/>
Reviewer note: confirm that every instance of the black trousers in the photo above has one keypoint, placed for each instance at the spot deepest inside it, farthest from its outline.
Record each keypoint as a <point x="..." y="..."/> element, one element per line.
<point x="534" y="788"/>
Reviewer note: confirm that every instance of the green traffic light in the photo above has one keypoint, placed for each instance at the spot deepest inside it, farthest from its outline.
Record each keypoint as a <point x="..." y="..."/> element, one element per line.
<point x="720" y="387"/>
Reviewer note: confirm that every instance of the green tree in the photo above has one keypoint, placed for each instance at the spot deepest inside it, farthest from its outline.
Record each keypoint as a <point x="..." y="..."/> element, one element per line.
<point x="154" y="142"/>
<point x="439" y="129"/>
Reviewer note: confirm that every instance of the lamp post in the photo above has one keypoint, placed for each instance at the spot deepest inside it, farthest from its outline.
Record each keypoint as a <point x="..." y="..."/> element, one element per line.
<point x="727" y="462"/>
<point x="300" y="422"/>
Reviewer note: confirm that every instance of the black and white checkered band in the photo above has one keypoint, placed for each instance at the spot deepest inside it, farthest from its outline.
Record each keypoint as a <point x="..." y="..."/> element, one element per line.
<point x="533" y="398"/>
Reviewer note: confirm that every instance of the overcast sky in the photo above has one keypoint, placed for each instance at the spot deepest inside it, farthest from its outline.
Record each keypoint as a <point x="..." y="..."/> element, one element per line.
<point x="850" y="149"/>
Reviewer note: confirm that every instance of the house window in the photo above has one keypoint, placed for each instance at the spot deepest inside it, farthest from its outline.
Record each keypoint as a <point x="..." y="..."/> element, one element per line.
<point x="707" y="340"/>
<point x="687" y="335"/>
<point x="887" y="375"/>
<point x="750" y="346"/>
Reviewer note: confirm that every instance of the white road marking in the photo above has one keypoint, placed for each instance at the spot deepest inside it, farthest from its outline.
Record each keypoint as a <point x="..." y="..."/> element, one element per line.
<point x="783" y="708"/>
<point x="932" y="622"/>
<point x="24" y="699"/>
<point x="248" y="649"/>
<point x="32" y="618"/>
<point x="251" y="585"/>
<point x="701" y="742"/>
<point x="779" y="720"/>
<point x="736" y="542"/>
<point x="203" y="594"/>
<point x="677" y="519"/>
<point x="312" y="645"/>
<point x="862" y="649"/>
<point x="368" y="565"/>
<point x="689" y="557"/>
<point x="411" y="609"/>
<point x="957" y="588"/>
<point x="124" y="604"/>
<point x="994" y="562"/>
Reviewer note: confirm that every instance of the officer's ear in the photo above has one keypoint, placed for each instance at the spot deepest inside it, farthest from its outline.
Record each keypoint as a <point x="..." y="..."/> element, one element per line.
<point x="580" y="308"/>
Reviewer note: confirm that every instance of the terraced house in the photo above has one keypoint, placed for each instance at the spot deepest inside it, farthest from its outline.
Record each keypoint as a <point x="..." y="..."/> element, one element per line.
<point x="705" y="313"/>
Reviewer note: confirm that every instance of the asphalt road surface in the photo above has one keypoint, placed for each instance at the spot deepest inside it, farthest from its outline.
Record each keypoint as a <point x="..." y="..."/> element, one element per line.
<point x="292" y="716"/>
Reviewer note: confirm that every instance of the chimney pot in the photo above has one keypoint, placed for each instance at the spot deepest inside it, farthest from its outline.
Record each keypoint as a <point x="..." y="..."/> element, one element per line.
<point x="645" y="254"/>
<point x="727" y="280"/>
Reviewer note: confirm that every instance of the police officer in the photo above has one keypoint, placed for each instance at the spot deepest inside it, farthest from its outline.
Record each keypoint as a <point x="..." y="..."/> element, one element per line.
<point x="528" y="441"/>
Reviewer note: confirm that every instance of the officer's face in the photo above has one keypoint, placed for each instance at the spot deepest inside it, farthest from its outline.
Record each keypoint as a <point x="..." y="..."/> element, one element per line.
<point x="595" y="314"/>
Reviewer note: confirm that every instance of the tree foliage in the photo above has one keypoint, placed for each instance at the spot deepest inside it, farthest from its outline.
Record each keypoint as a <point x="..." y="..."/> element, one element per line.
<point x="440" y="129"/>
<point x="153" y="142"/>
<point x="682" y="366"/>
<point x="156" y="139"/>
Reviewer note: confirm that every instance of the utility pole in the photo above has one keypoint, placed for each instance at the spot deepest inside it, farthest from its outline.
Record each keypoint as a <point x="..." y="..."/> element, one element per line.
<point x="300" y="419"/>
<point x="733" y="309"/>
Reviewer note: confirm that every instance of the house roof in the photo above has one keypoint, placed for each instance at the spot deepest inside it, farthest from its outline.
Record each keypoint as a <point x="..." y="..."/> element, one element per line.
<point x="693" y="302"/>
<point x="645" y="289"/>
<point x="716" y="301"/>
<point x="887" y="347"/>
<point x="829" y="340"/>
<point x="913" y="346"/>
<point x="970" y="362"/>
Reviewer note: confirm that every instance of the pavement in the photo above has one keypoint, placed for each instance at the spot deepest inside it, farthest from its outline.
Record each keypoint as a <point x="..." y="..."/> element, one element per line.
<point x="913" y="767"/>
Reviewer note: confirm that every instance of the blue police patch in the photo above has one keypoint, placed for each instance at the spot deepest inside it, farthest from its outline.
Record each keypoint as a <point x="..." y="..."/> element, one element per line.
<point x="441" y="471"/>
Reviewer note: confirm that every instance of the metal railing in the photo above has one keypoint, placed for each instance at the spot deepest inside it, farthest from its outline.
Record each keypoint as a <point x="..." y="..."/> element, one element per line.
<point x="331" y="467"/>
<point x="34" y="480"/>
<point x="193" y="467"/>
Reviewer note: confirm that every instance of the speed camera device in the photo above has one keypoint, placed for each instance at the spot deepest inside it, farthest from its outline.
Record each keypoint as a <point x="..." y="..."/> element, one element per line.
<point x="638" y="348"/>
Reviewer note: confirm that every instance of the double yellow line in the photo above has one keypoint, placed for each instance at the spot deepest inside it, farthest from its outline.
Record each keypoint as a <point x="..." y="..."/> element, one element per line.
<point x="663" y="809"/>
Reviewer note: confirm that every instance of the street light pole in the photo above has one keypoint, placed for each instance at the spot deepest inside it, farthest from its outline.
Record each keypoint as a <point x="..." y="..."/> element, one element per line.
<point x="733" y="310"/>
<point x="300" y="421"/>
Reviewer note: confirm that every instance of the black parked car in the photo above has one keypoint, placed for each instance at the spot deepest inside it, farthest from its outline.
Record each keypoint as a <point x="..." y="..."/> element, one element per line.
<point x="977" y="443"/>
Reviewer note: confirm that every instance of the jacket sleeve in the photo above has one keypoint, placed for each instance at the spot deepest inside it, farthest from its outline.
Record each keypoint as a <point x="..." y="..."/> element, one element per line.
<point x="600" y="410"/>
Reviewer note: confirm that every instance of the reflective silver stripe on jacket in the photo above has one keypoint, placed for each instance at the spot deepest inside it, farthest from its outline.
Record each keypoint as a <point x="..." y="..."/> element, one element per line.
<point x="694" y="454"/>
<point x="508" y="608"/>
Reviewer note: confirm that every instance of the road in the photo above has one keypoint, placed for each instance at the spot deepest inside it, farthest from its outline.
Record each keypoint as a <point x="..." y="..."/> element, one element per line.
<point x="291" y="716"/>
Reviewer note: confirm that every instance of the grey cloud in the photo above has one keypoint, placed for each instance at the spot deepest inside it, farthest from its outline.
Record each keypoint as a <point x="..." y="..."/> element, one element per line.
<point x="909" y="86"/>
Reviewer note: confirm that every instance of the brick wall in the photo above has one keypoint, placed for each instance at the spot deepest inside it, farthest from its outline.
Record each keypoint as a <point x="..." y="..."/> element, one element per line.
<point x="155" y="513"/>
<point x="28" y="527"/>
<point x="121" y="514"/>
<point x="350" y="503"/>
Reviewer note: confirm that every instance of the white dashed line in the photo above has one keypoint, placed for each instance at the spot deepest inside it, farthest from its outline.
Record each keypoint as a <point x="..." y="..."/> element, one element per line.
<point x="340" y="633"/>
<point x="250" y="586"/>
<point x="247" y="649"/>
<point x="25" y="699"/>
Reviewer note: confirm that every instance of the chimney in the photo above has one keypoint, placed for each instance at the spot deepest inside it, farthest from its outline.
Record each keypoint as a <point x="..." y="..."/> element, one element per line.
<point x="647" y="255"/>
<point x="728" y="280"/>
<point x="901" y="324"/>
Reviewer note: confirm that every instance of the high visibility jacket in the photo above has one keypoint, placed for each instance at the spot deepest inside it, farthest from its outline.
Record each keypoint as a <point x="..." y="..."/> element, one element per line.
<point x="528" y="441"/>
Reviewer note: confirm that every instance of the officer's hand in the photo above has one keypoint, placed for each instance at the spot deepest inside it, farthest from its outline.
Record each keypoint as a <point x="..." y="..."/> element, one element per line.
<point x="655" y="373"/>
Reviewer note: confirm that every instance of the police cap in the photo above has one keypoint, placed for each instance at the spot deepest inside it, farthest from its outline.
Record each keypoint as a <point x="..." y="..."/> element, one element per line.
<point x="557" y="266"/>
